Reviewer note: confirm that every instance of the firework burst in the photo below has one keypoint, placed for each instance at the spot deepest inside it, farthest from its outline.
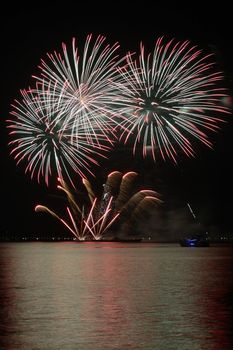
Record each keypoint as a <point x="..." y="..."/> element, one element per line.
<point x="170" y="98"/>
<point x="83" y="80"/>
<point x="43" y="140"/>
<point x="67" y="120"/>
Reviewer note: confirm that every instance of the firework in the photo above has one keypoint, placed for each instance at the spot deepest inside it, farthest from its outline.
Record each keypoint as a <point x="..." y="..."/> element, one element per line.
<point x="43" y="140"/>
<point x="83" y="79"/>
<point x="67" y="120"/>
<point x="92" y="218"/>
<point x="170" y="98"/>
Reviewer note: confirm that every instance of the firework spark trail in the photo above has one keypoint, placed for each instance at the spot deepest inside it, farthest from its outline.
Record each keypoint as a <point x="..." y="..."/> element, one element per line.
<point x="83" y="221"/>
<point x="170" y="98"/>
<point x="94" y="219"/>
<point x="42" y="138"/>
<point x="125" y="189"/>
<point x="42" y="208"/>
<point x="100" y="224"/>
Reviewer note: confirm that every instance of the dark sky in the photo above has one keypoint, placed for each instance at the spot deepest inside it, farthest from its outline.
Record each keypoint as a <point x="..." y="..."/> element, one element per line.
<point x="26" y="37"/>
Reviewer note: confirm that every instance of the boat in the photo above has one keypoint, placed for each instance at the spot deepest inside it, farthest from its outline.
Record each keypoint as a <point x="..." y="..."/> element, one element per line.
<point x="196" y="241"/>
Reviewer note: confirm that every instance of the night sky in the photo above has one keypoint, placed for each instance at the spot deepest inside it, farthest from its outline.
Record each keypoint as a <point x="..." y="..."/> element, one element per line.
<point x="204" y="181"/>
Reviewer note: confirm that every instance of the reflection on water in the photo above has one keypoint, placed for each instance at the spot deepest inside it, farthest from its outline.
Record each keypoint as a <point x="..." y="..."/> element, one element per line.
<point x="115" y="296"/>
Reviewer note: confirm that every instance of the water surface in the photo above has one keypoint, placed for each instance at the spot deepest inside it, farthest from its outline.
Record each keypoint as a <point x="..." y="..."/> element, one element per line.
<point x="92" y="296"/>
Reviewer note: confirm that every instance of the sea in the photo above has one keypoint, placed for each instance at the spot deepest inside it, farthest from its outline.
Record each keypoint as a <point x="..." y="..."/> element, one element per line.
<point x="114" y="295"/>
